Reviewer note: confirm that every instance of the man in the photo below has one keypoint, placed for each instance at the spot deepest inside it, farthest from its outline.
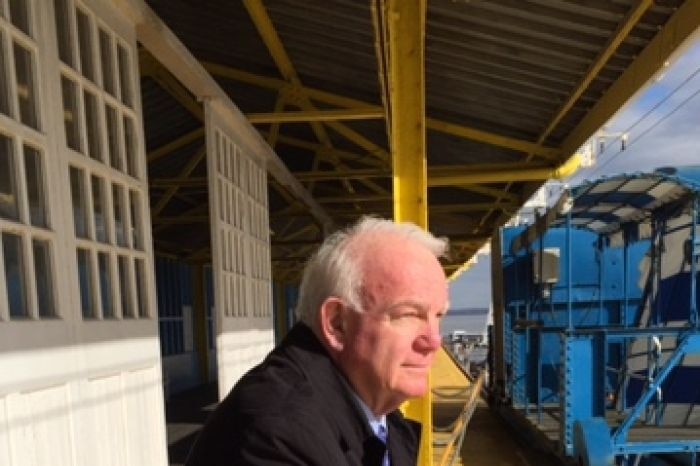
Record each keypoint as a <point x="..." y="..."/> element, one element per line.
<point x="370" y="304"/>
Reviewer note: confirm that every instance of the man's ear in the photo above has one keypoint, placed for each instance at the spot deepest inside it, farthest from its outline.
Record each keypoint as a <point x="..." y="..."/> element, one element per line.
<point x="332" y="323"/>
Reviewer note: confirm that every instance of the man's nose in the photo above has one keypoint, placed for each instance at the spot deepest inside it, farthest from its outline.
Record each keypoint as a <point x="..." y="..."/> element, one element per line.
<point x="430" y="339"/>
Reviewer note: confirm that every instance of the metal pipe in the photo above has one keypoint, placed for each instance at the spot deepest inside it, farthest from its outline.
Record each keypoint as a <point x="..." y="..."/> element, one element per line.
<point x="569" y="279"/>
<point x="693" y="264"/>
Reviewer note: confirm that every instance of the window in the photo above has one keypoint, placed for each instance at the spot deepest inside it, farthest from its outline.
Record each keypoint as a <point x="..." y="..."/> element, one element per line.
<point x="136" y="219"/>
<point x="100" y="143"/>
<point x="107" y="62"/>
<point x="125" y="75"/>
<point x="77" y="189"/>
<point x="125" y="292"/>
<point x="141" y="283"/>
<point x="35" y="187"/>
<point x="71" y="117"/>
<point x="119" y="215"/>
<point x="64" y="32"/>
<point x="130" y="147"/>
<point x="26" y="92"/>
<point x="19" y="15"/>
<point x="92" y="123"/>
<point x="9" y="206"/>
<point x="87" y="299"/>
<point x="113" y="138"/>
<point x="98" y="207"/>
<point x="87" y="66"/>
<point x="44" y="280"/>
<point x="15" y="275"/>
<point x="4" y="83"/>
<point x="105" y="272"/>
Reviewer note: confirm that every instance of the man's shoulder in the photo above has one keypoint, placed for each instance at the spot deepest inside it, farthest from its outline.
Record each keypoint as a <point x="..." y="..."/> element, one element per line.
<point x="275" y="386"/>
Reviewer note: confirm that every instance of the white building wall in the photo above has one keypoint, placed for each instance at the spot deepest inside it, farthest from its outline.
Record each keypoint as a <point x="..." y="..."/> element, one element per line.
<point x="241" y="263"/>
<point x="81" y="378"/>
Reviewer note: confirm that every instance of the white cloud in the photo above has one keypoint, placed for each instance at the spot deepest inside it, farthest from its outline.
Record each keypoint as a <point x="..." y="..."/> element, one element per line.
<point x="668" y="136"/>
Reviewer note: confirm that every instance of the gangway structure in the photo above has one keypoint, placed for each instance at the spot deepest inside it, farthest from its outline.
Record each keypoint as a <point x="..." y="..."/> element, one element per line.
<point x="598" y="338"/>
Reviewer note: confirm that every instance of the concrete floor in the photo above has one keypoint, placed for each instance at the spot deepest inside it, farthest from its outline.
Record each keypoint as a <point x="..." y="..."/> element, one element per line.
<point x="490" y="441"/>
<point x="185" y="414"/>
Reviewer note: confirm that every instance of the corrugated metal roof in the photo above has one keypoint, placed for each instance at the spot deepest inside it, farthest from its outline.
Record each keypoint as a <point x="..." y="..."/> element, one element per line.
<point x="498" y="69"/>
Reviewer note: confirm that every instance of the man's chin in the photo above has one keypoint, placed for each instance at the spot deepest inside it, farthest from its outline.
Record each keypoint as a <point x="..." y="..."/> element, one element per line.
<point x="415" y="389"/>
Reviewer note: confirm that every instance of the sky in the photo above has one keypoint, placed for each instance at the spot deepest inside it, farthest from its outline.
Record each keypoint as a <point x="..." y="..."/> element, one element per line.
<point x="662" y="122"/>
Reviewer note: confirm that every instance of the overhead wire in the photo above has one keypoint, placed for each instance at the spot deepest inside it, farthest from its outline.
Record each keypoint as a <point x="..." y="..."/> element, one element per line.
<point x="631" y="142"/>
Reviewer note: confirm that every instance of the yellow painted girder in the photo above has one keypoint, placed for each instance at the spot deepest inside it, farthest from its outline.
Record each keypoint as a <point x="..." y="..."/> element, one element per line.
<point x="494" y="139"/>
<point x="619" y="36"/>
<point x="315" y="115"/>
<point x="267" y="31"/>
<point x="341" y="101"/>
<point x="684" y="22"/>
<point x="500" y="176"/>
<point x="354" y="198"/>
<point x="331" y="154"/>
<point x="492" y="192"/>
<point x="181" y="182"/>
<point x="459" y="175"/>
<point x="405" y="25"/>
<point x="182" y="141"/>
<point x="186" y="171"/>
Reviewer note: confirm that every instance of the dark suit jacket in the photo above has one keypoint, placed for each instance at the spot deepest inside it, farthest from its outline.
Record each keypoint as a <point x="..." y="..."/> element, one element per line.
<point x="296" y="408"/>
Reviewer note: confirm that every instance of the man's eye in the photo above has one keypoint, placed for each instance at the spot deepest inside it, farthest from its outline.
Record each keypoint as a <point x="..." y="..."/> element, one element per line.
<point x="411" y="315"/>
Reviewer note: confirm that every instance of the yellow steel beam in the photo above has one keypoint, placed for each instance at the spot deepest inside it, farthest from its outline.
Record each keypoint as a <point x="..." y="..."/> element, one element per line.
<point x="501" y="176"/>
<point x="346" y="102"/>
<point x="182" y="182"/>
<point x="619" y="36"/>
<point x="361" y="141"/>
<point x="492" y="192"/>
<point x="494" y="139"/>
<point x="181" y="220"/>
<point x="405" y="25"/>
<point x="455" y="175"/>
<point x="329" y="175"/>
<point x="315" y="115"/>
<point x="185" y="172"/>
<point x="333" y="154"/>
<point x="473" y="207"/>
<point x="272" y="41"/>
<point x="274" y="133"/>
<point x="182" y="141"/>
<point x="198" y="210"/>
<point x="684" y="22"/>
<point x="484" y="167"/>
<point x="354" y="198"/>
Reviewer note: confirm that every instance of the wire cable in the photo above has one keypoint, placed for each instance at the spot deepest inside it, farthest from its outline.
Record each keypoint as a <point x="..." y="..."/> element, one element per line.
<point x="683" y="83"/>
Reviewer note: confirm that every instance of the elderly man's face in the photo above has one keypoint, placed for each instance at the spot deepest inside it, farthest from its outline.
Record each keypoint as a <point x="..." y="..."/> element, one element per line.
<point x="389" y="347"/>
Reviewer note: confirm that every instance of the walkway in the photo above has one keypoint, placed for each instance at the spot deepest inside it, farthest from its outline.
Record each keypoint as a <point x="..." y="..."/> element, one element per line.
<point x="185" y="414"/>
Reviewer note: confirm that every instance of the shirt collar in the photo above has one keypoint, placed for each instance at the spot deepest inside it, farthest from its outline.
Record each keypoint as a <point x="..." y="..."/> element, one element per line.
<point x="374" y="421"/>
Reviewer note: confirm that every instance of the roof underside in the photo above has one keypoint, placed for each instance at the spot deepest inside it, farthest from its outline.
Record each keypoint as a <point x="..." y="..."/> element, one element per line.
<point x="511" y="87"/>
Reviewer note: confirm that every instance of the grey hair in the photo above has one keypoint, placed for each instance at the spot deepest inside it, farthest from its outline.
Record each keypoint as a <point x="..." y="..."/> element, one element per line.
<point x="333" y="271"/>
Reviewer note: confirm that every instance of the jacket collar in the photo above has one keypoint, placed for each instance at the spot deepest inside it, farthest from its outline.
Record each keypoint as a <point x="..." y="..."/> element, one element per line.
<point x="302" y="346"/>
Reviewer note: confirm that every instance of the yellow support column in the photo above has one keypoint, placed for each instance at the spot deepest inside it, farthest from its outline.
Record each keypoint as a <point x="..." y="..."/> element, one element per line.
<point x="406" y="30"/>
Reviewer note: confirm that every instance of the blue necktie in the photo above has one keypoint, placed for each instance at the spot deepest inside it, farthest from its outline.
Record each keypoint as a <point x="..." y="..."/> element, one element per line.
<point x="383" y="435"/>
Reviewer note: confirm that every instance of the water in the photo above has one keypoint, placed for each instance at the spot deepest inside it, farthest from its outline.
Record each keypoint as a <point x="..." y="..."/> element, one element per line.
<point x="472" y="321"/>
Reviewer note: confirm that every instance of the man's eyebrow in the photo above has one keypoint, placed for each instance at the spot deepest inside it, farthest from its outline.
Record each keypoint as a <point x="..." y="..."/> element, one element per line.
<point x="421" y="307"/>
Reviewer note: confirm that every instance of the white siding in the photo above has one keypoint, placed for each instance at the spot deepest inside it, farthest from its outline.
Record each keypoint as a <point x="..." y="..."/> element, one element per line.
<point x="240" y="240"/>
<point x="77" y="389"/>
